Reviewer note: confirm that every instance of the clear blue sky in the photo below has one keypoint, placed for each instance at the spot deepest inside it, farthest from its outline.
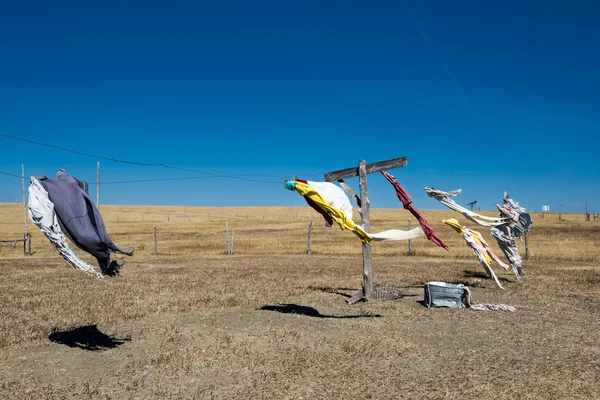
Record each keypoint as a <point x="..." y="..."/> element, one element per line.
<point x="483" y="96"/>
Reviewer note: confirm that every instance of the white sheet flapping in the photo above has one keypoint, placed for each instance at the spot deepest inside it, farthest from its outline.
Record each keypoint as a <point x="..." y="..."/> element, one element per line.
<point x="41" y="212"/>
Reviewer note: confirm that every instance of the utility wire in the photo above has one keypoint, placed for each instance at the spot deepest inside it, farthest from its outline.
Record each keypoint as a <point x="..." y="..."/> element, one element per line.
<point x="135" y="162"/>
<point x="6" y="173"/>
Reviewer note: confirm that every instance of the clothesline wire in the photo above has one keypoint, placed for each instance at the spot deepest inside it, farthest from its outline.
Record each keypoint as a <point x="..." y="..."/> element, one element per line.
<point x="157" y="179"/>
<point x="238" y="177"/>
<point x="6" y="173"/>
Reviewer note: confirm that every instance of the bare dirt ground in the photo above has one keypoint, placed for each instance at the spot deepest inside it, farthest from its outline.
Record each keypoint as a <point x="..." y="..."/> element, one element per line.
<point x="277" y="326"/>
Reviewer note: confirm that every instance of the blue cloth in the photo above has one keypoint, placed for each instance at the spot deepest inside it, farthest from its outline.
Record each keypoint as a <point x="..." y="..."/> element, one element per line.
<point x="290" y="185"/>
<point x="80" y="220"/>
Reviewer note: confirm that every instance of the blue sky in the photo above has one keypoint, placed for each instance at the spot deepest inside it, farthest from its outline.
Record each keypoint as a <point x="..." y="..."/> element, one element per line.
<point x="483" y="96"/>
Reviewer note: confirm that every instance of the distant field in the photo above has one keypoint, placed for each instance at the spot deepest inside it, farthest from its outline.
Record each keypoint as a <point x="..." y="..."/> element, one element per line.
<point x="283" y="231"/>
<point x="272" y="322"/>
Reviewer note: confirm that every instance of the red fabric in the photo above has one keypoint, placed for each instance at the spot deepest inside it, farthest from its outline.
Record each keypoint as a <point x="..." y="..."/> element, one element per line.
<point x="404" y="197"/>
<point x="314" y="205"/>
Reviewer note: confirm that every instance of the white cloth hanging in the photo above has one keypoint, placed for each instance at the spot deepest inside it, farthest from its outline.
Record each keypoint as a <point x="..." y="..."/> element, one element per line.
<point x="334" y="195"/>
<point x="41" y="212"/>
<point x="444" y="198"/>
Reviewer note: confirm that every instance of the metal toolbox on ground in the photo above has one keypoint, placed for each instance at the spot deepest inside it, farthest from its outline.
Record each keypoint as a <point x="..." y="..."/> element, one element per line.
<point x="442" y="294"/>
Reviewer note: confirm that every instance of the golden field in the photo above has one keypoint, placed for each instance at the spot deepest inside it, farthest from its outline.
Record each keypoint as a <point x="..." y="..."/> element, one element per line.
<point x="272" y="322"/>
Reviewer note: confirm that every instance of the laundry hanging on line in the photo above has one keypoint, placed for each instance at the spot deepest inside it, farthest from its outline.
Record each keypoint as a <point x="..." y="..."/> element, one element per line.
<point x="335" y="197"/>
<point x="80" y="220"/>
<point x="41" y="212"/>
<point x="332" y="208"/>
<point x="507" y="212"/>
<point x="444" y="198"/>
<point x="406" y="201"/>
<point x="480" y="248"/>
<point x="524" y="217"/>
<point x="505" y="237"/>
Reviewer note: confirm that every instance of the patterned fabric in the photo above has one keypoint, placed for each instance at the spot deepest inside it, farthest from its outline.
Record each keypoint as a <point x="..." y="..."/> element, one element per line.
<point x="444" y="198"/>
<point x="480" y="248"/>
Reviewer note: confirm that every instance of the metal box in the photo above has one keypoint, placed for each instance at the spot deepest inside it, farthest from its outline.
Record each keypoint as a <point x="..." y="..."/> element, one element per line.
<point x="442" y="294"/>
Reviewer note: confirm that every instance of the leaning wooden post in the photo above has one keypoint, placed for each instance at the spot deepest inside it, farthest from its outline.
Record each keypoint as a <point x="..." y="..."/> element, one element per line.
<point x="366" y="224"/>
<point x="308" y="241"/>
<point x="154" y="240"/>
<point x="26" y="234"/>
<point x="409" y="240"/>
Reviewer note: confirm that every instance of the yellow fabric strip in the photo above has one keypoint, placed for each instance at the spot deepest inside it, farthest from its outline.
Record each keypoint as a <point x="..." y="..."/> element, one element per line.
<point x="337" y="215"/>
<point x="452" y="222"/>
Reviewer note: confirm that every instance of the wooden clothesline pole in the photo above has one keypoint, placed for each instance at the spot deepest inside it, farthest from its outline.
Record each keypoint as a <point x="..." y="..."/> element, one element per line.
<point x="362" y="170"/>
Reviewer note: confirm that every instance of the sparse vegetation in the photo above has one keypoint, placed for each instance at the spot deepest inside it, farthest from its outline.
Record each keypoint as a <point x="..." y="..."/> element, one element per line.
<point x="272" y="322"/>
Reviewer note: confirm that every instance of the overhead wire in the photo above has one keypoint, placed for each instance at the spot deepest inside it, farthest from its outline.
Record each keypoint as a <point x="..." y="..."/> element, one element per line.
<point x="6" y="173"/>
<point x="158" y="164"/>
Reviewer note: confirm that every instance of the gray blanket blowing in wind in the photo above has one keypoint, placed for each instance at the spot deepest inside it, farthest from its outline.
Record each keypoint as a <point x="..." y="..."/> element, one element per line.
<point x="80" y="220"/>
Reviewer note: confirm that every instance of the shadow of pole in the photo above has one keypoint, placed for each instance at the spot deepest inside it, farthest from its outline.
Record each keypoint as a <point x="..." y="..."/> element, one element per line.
<point x="309" y="311"/>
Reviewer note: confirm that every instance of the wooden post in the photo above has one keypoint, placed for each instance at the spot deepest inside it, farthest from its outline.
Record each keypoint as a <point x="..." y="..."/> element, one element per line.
<point x="527" y="245"/>
<point x="98" y="185"/>
<point x="227" y="237"/>
<point x="232" y="240"/>
<point x="366" y="224"/>
<point x="308" y="241"/>
<point x="361" y="171"/>
<point x="560" y="212"/>
<point x="155" y="241"/>
<point x="26" y="249"/>
<point x="587" y="214"/>
<point x="409" y="240"/>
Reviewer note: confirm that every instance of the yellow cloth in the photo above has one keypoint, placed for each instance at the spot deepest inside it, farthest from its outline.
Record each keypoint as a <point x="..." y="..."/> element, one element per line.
<point x="337" y="215"/>
<point x="452" y="222"/>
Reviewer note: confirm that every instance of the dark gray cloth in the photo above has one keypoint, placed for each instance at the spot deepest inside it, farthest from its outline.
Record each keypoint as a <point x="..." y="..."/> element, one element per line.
<point x="80" y="220"/>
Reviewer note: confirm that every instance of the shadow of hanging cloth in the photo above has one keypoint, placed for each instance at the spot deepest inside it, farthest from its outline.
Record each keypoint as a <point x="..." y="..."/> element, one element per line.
<point x="86" y="338"/>
<point x="310" y="312"/>
<point x="482" y="275"/>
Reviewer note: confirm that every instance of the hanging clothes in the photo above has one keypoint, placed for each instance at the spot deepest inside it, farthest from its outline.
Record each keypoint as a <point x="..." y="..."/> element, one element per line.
<point x="505" y="237"/>
<point x="344" y="218"/>
<point x="80" y="220"/>
<point x="309" y="193"/>
<point x="444" y="198"/>
<point x="333" y="194"/>
<point x="406" y="201"/>
<point x="41" y="212"/>
<point x="507" y="212"/>
<point x="480" y="248"/>
<point x="524" y="218"/>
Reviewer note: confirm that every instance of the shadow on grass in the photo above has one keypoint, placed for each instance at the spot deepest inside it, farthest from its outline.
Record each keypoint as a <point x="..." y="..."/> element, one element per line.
<point x="481" y="275"/>
<point x="86" y="338"/>
<point x="326" y="289"/>
<point x="309" y="311"/>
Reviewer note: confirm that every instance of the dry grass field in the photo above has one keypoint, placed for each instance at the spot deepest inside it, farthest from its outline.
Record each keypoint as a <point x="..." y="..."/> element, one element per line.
<point x="271" y="322"/>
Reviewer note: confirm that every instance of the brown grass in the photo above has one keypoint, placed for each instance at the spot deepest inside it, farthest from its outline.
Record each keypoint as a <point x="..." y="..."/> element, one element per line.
<point x="271" y="322"/>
